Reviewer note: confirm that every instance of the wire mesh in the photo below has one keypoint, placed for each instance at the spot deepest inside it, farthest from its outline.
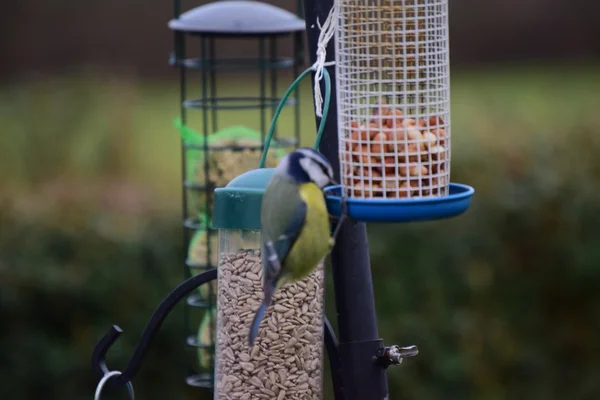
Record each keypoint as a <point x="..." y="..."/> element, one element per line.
<point x="393" y="92"/>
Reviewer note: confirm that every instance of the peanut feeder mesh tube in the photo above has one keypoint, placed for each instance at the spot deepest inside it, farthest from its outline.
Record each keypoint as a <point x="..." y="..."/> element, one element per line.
<point x="286" y="361"/>
<point x="393" y="96"/>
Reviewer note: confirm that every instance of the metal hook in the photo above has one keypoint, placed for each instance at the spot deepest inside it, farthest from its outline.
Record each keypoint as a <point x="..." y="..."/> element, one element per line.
<point x="103" y="381"/>
<point x="164" y="308"/>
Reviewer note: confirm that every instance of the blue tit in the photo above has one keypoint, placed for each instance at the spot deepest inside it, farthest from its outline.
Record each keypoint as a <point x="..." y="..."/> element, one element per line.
<point x="294" y="223"/>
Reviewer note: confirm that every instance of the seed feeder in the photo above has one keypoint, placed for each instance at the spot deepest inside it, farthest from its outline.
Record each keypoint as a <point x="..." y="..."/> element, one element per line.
<point x="287" y="357"/>
<point x="393" y="110"/>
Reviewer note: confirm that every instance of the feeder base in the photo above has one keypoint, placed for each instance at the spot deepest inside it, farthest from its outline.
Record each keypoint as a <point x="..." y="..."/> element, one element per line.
<point x="407" y="210"/>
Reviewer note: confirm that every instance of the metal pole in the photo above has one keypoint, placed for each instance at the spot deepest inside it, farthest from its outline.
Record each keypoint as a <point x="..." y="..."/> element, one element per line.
<point x="359" y="341"/>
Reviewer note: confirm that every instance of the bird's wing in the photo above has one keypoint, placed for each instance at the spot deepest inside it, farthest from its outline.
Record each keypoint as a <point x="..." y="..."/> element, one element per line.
<point x="282" y="245"/>
<point x="282" y="221"/>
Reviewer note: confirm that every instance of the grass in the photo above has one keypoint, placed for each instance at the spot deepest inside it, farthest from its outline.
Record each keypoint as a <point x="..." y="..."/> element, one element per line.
<point x="91" y="125"/>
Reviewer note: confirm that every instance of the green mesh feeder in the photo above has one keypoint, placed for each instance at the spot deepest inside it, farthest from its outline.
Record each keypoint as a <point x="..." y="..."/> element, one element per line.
<point x="213" y="155"/>
<point x="234" y="138"/>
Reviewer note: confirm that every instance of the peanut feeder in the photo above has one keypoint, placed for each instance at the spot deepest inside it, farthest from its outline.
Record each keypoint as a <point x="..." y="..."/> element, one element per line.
<point x="393" y="98"/>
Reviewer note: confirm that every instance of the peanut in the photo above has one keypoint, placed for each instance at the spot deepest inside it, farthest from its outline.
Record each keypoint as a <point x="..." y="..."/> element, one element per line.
<point x="397" y="120"/>
<point x="418" y="170"/>
<point x="435" y="121"/>
<point x="385" y="113"/>
<point x="363" y="155"/>
<point x="358" y="187"/>
<point x="378" y="145"/>
<point x="373" y="172"/>
<point x="388" y="117"/>
<point x="413" y="169"/>
<point x="359" y="134"/>
<point x="364" y="132"/>
<point x="441" y="135"/>
<point x="414" y="134"/>
<point x="390" y="165"/>
<point x="409" y="123"/>
<point x="412" y="151"/>
<point x="399" y="135"/>
<point x="391" y="139"/>
<point x="348" y="157"/>
<point x="438" y="184"/>
<point x="430" y="139"/>
<point x="438" y="153"/>
<point x="426" y="184"/>
<point x="405" y="190"/>
<point x="439" y="181"/>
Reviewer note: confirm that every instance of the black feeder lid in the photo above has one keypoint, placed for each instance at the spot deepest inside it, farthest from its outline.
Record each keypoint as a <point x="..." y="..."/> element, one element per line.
<point x="237" y="17"/>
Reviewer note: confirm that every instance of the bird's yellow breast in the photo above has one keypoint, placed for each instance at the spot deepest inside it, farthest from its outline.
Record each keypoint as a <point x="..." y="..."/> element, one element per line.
<point x="312" y="245"/>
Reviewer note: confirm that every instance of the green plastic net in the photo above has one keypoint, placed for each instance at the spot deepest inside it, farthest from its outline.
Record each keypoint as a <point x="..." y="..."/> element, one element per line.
<point x="206" y="336"/>
<point x="197" y="257"/>
<point x="224" y="163"/>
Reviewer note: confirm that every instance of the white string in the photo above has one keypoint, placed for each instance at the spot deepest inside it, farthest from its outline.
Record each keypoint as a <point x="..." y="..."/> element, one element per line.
<point x="327" y="32"/>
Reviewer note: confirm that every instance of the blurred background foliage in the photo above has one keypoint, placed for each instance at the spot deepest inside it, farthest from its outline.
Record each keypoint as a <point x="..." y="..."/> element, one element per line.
<point x="503" y="301"/>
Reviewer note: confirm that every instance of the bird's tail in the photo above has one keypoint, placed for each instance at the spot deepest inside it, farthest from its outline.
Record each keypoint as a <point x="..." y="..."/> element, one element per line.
<point x="256" y="323"/>
<point x="269" y="290"/>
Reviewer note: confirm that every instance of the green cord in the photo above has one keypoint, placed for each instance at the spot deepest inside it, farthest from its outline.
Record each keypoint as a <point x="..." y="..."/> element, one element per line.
<point x="325" y="108"/>
<point x="284" y="99"/>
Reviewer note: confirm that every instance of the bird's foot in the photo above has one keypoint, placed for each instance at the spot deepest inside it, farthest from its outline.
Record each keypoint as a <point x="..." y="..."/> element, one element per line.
<point x="341" y="219"/>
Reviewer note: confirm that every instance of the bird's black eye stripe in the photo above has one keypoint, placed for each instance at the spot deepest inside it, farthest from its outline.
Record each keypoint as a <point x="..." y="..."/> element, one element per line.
<point x="324" y="168"/>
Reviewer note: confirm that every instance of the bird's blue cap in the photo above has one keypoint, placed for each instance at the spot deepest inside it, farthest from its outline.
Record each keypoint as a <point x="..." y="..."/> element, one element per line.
<point x="237" y="205"/>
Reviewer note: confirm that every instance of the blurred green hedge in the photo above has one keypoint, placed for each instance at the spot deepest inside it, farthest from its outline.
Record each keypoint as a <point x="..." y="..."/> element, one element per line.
<point x="63" y="288"/>
<point x="503" y="301"/>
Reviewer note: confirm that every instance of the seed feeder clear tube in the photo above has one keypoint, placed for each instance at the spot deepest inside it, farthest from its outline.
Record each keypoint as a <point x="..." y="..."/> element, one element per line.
<point x="286" y="361"/>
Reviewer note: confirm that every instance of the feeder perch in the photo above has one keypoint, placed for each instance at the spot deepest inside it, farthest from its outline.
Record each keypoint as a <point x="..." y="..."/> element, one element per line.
<point x="393" y="97"/>
<point x="287" y="356"/>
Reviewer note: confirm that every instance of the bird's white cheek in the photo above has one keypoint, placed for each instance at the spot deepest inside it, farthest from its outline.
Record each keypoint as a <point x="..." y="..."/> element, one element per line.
<point x="322" y="181"/>
<point x="315" y="172"/>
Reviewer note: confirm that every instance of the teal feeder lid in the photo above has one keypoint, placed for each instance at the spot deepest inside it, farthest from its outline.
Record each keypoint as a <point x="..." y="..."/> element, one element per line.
<point x="237" y="205"/>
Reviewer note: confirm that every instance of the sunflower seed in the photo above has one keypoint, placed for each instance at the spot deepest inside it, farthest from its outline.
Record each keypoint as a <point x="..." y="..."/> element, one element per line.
<point x="286" y="359"/>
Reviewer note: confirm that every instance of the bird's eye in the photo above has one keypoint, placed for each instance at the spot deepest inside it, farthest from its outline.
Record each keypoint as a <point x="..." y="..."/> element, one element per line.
<point x="327" y="172"/>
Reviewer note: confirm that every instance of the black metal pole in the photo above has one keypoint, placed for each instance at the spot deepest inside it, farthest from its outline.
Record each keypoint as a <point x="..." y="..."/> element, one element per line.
<point x="359" y="341"/>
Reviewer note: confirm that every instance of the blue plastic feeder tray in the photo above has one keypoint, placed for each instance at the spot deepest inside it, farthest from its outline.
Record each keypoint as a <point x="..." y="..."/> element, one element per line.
<point x="407" y="210"/>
